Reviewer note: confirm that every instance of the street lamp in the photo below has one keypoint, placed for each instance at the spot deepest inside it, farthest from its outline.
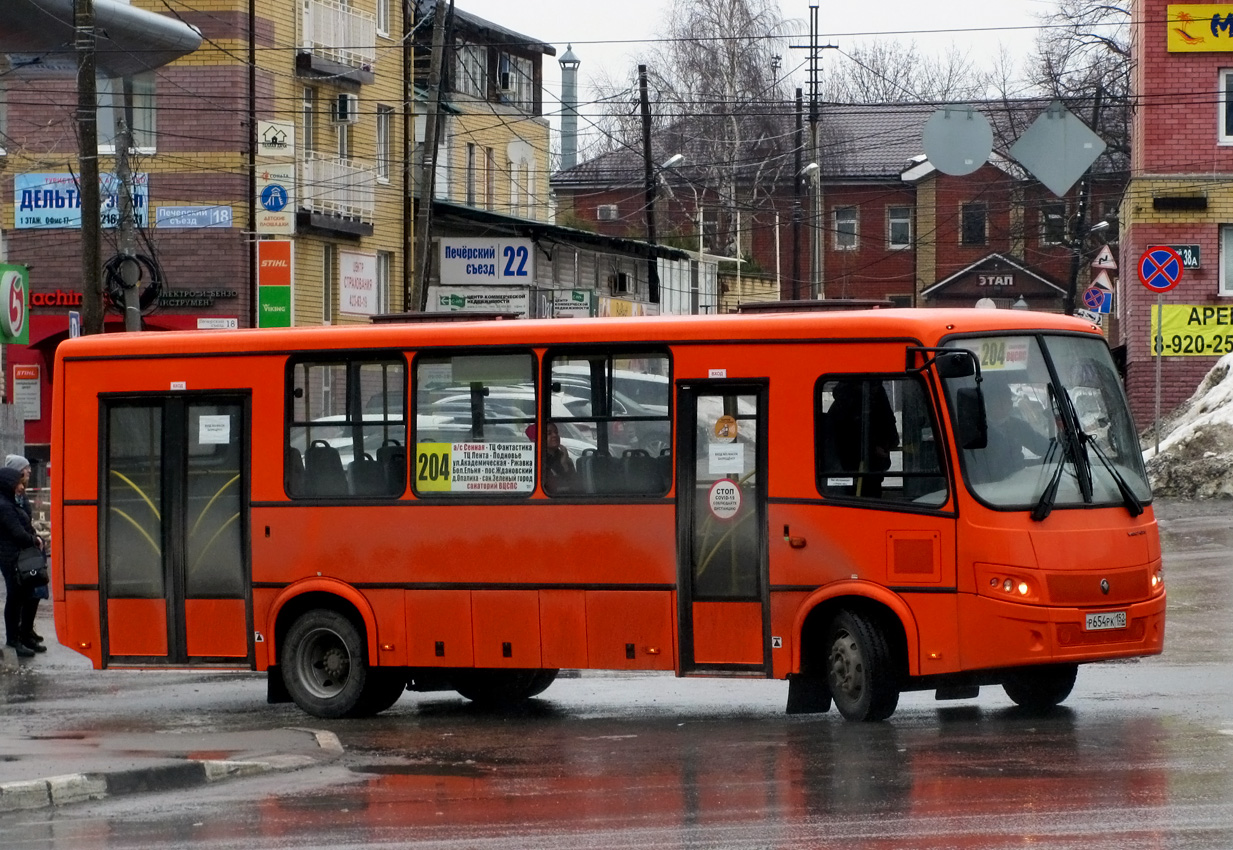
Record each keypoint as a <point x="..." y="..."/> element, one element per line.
<point x="670" y="163"/>
<point x="813" y="172"/>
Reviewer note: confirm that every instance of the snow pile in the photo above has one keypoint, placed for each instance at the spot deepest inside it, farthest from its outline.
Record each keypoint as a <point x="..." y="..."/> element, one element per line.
<point x="1196" y="444"/>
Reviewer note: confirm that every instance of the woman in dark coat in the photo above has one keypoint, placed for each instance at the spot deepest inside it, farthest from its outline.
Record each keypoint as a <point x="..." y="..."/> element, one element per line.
<point x="16" y="533"/>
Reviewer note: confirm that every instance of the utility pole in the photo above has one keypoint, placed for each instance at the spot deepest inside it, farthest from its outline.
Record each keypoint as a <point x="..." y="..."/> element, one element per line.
<point x="649" y="174"/>
<point x="416" y="299"/>
<point x="87" y="159"/>
<point x="408" y="149"/>
<point x="798" y="142"/>
<point x="130" y="270"/>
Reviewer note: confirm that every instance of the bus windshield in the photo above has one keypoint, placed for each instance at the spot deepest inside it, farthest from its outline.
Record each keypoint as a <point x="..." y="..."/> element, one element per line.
<point x="1059" y="433"/>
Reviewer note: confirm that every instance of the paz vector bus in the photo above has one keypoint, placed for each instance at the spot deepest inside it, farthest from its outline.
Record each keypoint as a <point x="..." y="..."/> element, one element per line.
<point x="863" y="503"/>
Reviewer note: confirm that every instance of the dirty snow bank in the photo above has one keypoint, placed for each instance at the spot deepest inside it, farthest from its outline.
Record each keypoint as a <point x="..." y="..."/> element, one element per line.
<point x="1196" y="445"/>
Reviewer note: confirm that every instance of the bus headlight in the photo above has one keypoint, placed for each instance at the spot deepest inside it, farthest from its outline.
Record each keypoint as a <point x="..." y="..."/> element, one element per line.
<point x="1158" y="580"/>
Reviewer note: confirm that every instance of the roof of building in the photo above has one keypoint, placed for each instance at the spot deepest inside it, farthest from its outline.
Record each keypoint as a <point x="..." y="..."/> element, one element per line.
<point x="492" y="33"/>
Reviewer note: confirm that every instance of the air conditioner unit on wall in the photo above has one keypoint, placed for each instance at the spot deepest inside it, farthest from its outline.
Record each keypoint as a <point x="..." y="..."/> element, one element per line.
<point x="346" y="109"/>
<point x="607" y="212"/>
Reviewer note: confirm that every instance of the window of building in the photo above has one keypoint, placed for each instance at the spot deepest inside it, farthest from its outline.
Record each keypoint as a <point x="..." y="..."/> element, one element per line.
<point x="516" y="81"/>
<point x="515" y="188"/>
<point x="876" y="440"/>
<point x="847" y="221"/>
<point x="383" y="17"/>
<point x="974" y="223"/>
<point x="490" y="179"/>
<point x="1225" y="131"/>
<point x="385" y="266"/>
<point x="899" y="227"/>
<point x="329" y="281"/>
<point x="471" y="175"/>
<point x="1226" y="259"/>
<point x="1053" y="223"/>
<point x="346" y="431"/>
<point x="344" y="140"/>
<point x="4" y="121"/>
<point x="385" y="125"/>
<point x="487" y="402"/>
<point x="308" y="113"/>
<point x="529" y="180"/>
<point x="608" y="430"/>
<point x="471" y="69"/>
<point x="111" y="108"/>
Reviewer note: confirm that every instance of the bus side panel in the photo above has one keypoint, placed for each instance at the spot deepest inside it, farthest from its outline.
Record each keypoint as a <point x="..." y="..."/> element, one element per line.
<point x="506" y="628"/>
<point x="563" y="627"/>
<point x="137" y="627"/>
<point x="215" y="628"/>
<point x="785" y="606"/>
<point x="625" y="622"/>
<point x="439" y="628"/>
<point x="81" y="437"/>
<point x="389" y="612"/>
<point x="81" y="558"/>
<point x="937" y="623"/>
<point x="727" y="632"/>
<point x="77" y="625"/>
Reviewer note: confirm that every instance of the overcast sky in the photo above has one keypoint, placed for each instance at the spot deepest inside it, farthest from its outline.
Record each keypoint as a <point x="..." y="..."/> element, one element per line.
<point x="609" y="35"/>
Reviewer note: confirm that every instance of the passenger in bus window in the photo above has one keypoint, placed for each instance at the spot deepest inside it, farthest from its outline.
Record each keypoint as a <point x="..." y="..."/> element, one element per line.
<point x="863" y="445"/>
<point x="559" y="473"/>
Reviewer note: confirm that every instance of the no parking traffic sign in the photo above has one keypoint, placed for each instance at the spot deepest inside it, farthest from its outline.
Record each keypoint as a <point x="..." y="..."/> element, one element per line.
<point x="1160" y="268"/>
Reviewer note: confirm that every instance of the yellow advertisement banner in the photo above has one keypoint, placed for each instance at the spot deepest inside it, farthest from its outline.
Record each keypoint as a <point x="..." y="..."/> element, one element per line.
<point x="1197" y="331"/>
<point x="1201" y="28"/>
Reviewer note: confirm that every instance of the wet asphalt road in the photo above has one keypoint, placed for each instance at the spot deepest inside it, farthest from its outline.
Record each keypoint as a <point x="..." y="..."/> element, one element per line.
<point x="1141" y="756"/>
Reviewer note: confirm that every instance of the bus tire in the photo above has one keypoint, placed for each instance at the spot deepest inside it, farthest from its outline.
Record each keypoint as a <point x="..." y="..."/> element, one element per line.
<point x="860" y="669"/>
<point x="1041" y="688"/>
<point x="382" y="690"/>
<point x="502" y="687"/>
<point x="325" y="666"/>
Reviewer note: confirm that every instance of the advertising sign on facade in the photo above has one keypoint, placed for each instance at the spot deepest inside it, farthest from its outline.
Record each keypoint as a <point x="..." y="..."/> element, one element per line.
<point x="27" y="394"/>
<point x="276" y="138"/>
<point x="53" y="201"/>
<point x="185" y="217"/>
<point x="573" y="303"/>
<point x="477" y="299"/>
<point x="275" y="261"/>
<point x="1197" y="330"/>
<point x="479" y="260"/>
<point x="14" y="304"/>
<point x="358" y="294"/>
<point x="1200" y="28"/>
<point x="276" y="198"/>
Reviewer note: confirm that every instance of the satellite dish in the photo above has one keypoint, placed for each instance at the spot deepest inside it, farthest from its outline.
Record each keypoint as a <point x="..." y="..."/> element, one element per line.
<point x="958" y="140"/>
<point x="986" y="304"/>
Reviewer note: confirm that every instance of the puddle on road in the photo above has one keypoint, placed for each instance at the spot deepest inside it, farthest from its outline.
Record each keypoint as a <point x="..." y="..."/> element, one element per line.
<point x="465" y="771"/>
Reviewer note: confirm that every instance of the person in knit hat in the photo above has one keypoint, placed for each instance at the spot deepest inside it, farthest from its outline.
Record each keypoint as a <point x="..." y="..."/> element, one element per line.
<point x="16" y="533"/>
<point x="30" y="608"/>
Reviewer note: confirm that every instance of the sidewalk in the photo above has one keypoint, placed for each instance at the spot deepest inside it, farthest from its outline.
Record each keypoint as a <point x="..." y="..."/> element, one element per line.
<point x="57" y="768"/>
<point x="39" y="772"/>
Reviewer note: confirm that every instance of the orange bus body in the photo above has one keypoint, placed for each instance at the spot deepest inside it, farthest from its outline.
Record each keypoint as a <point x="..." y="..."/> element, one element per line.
<point x="442" y="589"/>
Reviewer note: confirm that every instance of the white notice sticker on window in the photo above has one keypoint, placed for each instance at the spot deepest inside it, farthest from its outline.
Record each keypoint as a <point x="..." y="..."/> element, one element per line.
<point x="214" y="430"/>
<point x="726" y="459"/>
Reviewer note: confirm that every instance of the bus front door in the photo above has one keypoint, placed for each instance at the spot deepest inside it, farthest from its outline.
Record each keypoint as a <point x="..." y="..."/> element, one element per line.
<point x="174" y="567"/>
<point x="724" y="606"/>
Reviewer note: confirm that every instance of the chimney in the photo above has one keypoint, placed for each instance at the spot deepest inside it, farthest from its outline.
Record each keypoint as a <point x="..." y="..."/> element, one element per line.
<point x="569" y="112"/>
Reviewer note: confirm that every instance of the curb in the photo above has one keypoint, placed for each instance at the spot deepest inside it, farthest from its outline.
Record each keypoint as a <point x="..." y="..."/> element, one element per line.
<point x="83" y="787"/>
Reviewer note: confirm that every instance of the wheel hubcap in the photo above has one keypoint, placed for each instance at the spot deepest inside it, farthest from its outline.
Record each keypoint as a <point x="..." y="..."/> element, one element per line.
<point x="847" y="671"/>
<point x="325" y="663"/>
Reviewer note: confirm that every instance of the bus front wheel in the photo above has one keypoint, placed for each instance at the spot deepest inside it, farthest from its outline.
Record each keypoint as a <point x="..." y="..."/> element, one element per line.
<point x="324" y="665"/>
<point x="860" y="669"/>
<point x="1041" y="688"/>
<point x="502" y="687"/>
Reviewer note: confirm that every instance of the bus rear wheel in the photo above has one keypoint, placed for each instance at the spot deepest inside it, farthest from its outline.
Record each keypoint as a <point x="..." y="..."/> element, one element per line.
<point x="1041" y="688"/>
<point x="860" y="669"/>
<point x="502" y="687"/>
<point x="325" y="667"/>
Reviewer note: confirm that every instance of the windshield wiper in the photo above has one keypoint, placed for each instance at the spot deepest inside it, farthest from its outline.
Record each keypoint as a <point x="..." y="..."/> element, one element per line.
<point x="1133" y="505"/>
<point x="1071" y="438"/>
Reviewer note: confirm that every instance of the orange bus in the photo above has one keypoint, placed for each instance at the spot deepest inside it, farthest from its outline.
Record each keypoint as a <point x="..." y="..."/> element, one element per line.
<point x="863" y="503"/>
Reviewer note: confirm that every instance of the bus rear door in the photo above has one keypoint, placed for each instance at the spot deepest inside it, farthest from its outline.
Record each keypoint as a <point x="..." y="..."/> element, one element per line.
<point x="174" y="584"/>
<point x="724" y="606"/>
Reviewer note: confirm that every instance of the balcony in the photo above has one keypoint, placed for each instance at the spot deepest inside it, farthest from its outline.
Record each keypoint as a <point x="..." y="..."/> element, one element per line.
<point x="337" y="196"/>
<point x="337" y="41"/>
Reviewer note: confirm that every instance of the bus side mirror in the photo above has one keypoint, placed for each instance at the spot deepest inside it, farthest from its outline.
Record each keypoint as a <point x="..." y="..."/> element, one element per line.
<point x="955" y="364"/>
<point x="971" y="429"/>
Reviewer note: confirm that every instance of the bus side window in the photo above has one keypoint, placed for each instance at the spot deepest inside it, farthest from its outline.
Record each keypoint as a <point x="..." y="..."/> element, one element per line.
<point x="617" y="444"/>
<point x="342" y="413"/>
<point x="876" y="440"/>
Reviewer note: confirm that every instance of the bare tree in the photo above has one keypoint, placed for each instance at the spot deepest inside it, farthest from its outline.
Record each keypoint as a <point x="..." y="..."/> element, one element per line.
<point x="895" y="72"/>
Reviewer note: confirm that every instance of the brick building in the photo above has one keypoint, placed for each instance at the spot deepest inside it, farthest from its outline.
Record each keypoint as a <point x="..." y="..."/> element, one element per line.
<point x="1180" y="194"/>
<point x="893" y="227"/>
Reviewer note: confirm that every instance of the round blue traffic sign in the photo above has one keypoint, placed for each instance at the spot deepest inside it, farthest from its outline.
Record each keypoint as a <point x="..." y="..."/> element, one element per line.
<point x="274" y="197"/>
<point x="1160" y="268"/>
